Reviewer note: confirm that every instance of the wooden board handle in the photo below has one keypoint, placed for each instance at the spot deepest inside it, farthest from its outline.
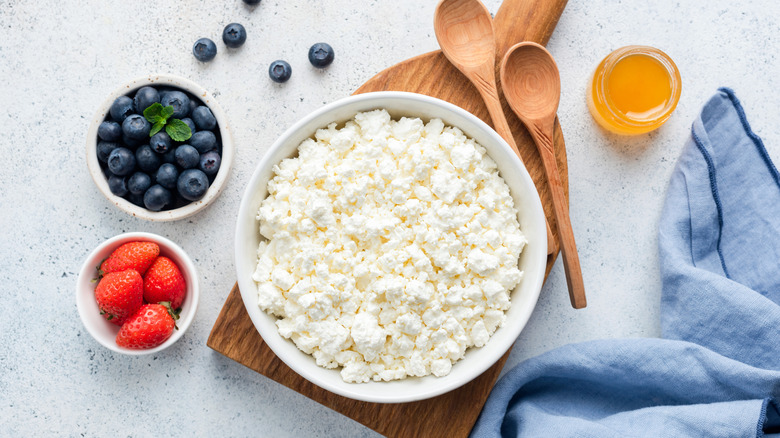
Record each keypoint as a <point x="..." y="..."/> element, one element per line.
<point x="525" y="20"/>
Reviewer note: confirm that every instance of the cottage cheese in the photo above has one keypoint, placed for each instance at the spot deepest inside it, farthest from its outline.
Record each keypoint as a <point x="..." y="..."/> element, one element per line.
<point x="391" y="247"/>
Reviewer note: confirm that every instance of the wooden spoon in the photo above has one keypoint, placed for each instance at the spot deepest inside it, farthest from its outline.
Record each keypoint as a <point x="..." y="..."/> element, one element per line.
<point x="532" y="86"/>
<point x="464" y="29"/>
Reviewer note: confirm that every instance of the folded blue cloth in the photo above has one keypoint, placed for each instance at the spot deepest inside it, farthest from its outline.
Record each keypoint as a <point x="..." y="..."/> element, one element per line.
<point x="717" y="372"/>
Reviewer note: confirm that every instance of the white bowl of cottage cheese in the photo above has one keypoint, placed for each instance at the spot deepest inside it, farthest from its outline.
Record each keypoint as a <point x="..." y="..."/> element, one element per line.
<point x="390" y="247"/>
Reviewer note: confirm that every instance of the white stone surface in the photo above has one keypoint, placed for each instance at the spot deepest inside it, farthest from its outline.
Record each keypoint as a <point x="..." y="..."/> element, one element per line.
<point x="58" y="61"/>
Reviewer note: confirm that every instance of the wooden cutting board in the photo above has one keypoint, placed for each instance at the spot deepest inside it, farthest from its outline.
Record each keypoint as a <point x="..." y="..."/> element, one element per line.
<point x="452" y="414"/>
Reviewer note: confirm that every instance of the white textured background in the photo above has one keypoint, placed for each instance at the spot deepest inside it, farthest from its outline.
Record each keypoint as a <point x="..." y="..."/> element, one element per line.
<point x="59" y="60"/>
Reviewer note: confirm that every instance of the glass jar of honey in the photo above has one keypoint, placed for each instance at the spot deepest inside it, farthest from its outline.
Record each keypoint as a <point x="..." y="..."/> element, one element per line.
<point x="634" y="90"/>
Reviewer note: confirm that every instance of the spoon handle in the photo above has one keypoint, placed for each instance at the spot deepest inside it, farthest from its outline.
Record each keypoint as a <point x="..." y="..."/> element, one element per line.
<point x="542" y="133"/>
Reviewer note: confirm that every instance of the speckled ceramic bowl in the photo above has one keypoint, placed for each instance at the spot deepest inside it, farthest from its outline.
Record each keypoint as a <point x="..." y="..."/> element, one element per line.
<point x="103" y="331"/>
<point x="128" y="89"/>
<point x="532" y="261"/>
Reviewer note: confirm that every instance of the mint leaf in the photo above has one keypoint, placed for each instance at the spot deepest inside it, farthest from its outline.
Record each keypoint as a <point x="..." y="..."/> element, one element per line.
<point x="157" y="127"/>
<point x="153" y="113"/>
<point x="167" y="112"/>
<point x="178" y="130"/>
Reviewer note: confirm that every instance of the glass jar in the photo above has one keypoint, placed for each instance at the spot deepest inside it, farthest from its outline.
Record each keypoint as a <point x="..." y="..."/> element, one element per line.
<point x="634" y="90"/>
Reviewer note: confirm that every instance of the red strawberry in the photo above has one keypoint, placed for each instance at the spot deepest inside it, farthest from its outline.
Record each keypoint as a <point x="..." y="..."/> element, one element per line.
<point x="119" y="295"/>
<point x="164" y="282"/>
<point x="131" y="255"/>
<point x="149" y="327"/>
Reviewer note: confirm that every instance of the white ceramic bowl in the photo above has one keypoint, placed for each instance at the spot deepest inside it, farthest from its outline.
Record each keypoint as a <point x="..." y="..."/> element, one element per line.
<point x="214" y="189"/>
<point x="103" y="331"/>
<point x="532" y="260"/>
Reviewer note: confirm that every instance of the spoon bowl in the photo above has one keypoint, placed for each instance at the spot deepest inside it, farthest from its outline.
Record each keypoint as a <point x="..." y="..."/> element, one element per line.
<point x="534" y="84"/>
<point x="465" y="32"/>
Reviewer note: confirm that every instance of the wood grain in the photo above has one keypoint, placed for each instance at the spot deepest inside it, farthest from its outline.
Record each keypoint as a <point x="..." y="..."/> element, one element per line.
<point x="452" y="414"/>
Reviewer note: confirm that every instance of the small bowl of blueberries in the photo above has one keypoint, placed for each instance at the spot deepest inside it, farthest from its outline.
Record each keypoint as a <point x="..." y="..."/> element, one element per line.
<point x="160" y="148"/>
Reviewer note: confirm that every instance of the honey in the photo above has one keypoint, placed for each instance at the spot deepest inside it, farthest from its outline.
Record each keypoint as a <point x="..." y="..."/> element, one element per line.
<point x="634" y="90"/>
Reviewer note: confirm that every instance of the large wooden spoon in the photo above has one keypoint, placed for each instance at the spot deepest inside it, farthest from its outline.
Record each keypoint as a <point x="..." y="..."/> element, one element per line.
<point x="464" y="29"/>
<point x="532" y="86"/>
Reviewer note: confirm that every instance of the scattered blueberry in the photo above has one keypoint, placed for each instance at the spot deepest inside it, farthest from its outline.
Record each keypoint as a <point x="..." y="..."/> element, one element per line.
<point x="204" y="50"/>
<point x="209" y="163"/>
<point x="144" y="98"/>
<point x="187" y="156"/>
<point x="147" y="160"/>
<point x="118" y="185"/>
<point x="136" y="127"/>
<point x="157" y="197"/>
<point x="109" y="131"/>
<point x="192" y="184"/>
<point x="104" y="149"/>
<point x="138" y="183"/>
<point x="234" y="35"/>
<point x="252" y="2"/>
<point x="280" y="71"/>
<point x="167" y="175"/>
<point x="121" y="161"/>
<point x="203" y="141"/>
<point x="179" y="101"/>
<point x="188" y="121"/>
<point x="131" y="142"/>
<point x="121" y="108"/>
<point x="203" y="118"/>
<point x="160" y="142"/>
<point x="321" y="55"/>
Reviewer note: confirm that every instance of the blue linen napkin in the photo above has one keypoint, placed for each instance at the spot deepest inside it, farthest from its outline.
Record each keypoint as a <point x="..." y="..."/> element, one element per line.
<point x="717" y="372"/>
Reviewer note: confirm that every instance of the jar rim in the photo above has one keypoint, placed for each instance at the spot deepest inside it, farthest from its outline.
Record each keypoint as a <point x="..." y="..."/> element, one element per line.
<point x="664" y="60"/>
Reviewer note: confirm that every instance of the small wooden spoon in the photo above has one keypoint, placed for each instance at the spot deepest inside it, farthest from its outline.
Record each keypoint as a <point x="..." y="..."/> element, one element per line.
<point x="532" y="86"/>
<point x="464" y="29"/>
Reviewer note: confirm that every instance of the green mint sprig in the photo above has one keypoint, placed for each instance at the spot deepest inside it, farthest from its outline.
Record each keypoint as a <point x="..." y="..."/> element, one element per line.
<point x="160" y="117"/>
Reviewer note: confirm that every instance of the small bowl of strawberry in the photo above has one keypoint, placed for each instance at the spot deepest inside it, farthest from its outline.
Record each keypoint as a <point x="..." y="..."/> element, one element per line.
<point x="137" y="293"/>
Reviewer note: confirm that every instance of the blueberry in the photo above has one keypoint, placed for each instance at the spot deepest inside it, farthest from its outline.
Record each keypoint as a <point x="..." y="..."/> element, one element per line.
<point x="109" y="131"/>
<point x="104" y="149"/>
<point x="131" y="142"/>
<point x="169" y="157"/>
<point x="121" y="108"/>
<point x="118" y="185"/>
<point x="147" y="160"/>
<point x="160" y="142"/>
<point x="203" y="141"/>
<point x="192" y="184"/>
<point x="203" y="118"/>
<point x="136" y="127"/>
<point x="179" y="101"/>
<point x="137" y="199"/>
<point x="204" y="50"/>
<point x="209" y="163"/>
<point x="280" y="71"/>
<point x="144" y="98"/>
<point x="187" y="156"/>
<point x="121" y="161"/>
<point x="252" y="2"/>
<point x="157" y="197"/>
<point x="234" y="35"/>
<point x="188" y="121"/>
<point x="138" y="183"/>
<point x="167" y="175"/>
<point x="194" y="103"/>
<point x="321" y="55"/>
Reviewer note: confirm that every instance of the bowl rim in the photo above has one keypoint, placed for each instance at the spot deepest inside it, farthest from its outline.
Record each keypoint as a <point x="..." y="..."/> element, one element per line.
<point x="274" y="341"/>
<point x="228" y="152"/>
<point x="85" y="299"/>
